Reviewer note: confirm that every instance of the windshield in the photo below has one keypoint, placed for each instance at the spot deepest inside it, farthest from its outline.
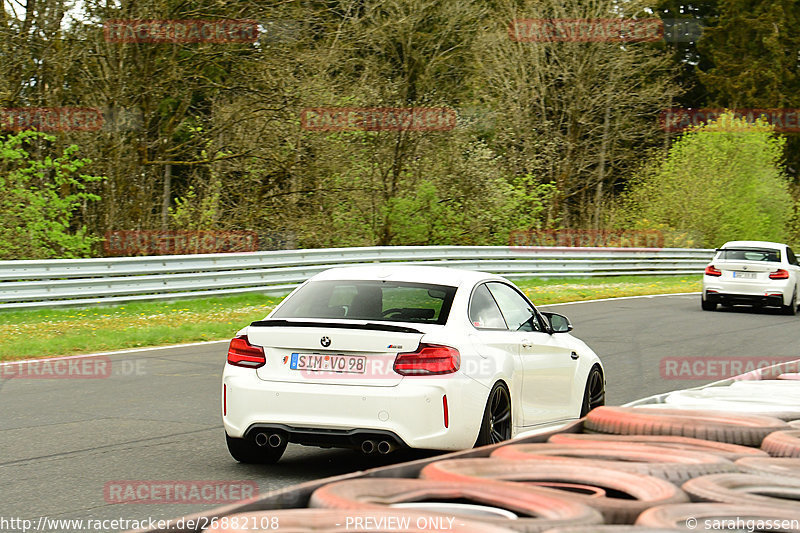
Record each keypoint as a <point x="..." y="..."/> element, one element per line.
<point x="751" y="254"/>
<point x="370" y="300"/>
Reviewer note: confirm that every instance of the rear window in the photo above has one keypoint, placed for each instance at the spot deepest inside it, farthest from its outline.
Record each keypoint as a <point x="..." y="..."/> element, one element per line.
<point x="370" y="300"/>
<point x="750" y="254"/>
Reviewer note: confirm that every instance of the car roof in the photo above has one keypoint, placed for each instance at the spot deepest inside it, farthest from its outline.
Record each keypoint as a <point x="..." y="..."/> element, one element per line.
<point x="753" y="244"/>
<point x="453" y="277"/>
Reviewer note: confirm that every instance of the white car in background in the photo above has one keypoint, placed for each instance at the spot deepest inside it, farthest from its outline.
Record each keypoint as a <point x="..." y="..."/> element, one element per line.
<point x="382" y="357"/>
<point x="756" y="273"/>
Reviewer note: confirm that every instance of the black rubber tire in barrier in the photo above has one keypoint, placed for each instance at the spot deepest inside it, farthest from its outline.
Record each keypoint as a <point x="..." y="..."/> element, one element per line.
<point x="333" y="521"/>
<point x="775" y="466"/>
<point x="692" y="516"/>
<point x="538" y="509"/>
<point x="732" y="452"/>
<point x="610" y="528"/>
<point x="733" y="428"/>
<point x="675" y="466"/>
<point x="621" y="498"/>
<point x="745" y="489"/>
<point x="782" y="443"/>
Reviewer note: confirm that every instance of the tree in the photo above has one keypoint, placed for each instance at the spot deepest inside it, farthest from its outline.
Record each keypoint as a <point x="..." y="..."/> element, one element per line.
<point x="578" y="114"/>
<point x="721" y="181"/>
<point x="39" y="200"/>
<point x="752" y="55"/>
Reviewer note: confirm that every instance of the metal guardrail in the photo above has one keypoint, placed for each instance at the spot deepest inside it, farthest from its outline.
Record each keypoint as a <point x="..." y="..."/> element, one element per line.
<point x="69" y="282"/>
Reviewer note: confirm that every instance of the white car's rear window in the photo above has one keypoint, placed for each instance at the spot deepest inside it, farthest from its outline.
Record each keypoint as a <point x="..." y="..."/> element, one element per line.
<point x="370" y="300"/>
<point x="751" y="254"/>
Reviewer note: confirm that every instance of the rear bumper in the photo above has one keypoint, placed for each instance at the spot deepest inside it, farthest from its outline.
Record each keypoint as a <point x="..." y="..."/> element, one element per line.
<point x="334" y="438"/>
<point x="773" y="300"/>
<point x="410" y="413"/>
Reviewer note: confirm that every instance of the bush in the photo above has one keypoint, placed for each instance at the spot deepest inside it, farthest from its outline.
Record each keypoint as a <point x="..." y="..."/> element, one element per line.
<point x="38" y="197"/>
<point x="721" y="181"/>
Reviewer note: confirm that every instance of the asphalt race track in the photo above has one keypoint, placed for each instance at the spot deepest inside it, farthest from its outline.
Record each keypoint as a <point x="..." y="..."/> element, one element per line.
<point x="156" y="416"/>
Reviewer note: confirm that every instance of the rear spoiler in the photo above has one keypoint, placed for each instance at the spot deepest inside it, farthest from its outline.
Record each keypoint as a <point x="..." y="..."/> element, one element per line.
<point x="336" y="325"/>
<point x="744" y="249"/>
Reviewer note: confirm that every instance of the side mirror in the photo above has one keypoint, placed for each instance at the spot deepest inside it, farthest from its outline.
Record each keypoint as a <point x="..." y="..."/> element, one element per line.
<point x="558" y="323"/>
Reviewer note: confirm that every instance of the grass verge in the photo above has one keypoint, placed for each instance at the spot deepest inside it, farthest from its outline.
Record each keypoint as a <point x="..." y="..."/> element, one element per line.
<point x="54" y="332"/>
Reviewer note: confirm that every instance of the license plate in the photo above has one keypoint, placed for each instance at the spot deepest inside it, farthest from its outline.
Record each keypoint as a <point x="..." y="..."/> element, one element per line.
<point x="314" y="362"/>
<point x="744" y="275"/>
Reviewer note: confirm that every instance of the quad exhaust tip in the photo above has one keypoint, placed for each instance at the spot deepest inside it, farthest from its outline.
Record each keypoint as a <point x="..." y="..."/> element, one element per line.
<point x="385" y="447"/>
<point x="368" y="446"/>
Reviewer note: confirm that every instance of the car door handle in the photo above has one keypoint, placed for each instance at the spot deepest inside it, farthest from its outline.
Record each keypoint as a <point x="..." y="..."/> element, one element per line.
<point x="574" y="355"/>
<point x="527" y="343"/>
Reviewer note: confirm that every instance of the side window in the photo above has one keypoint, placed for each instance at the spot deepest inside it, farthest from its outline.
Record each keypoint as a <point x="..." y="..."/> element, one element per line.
<point x="516" y="310"/>
<point x="483" y="311"/>
<point x="790" y="256"/>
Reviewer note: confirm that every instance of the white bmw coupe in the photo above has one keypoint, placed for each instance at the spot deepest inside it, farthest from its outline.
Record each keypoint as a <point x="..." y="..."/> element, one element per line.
<point x="756" y="273"/>
<point x="382" y="357"/>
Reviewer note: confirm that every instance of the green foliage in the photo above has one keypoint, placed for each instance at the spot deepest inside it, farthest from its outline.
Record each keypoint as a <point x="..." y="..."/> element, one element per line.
<point x="193" y="213"/>
<point x="719" y="182"/>
<point x="39" y="194"/>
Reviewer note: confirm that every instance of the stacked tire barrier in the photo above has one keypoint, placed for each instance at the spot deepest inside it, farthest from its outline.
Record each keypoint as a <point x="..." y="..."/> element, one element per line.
<point x="639" y="469"/>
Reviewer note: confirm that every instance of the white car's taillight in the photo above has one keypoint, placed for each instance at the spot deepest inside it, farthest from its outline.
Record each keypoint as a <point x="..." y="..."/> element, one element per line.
<point x="242" y="353"/>
<point x="429" y="359"/>
<point x="779" y="274"/>
<point x="711" y="270"/>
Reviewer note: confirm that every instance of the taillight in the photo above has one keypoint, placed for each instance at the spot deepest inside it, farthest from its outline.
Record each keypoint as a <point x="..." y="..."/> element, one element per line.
<point x="242" y="353"/>
<point x="779" y="274"/>
<point x="712" y="271"/>
<point x="429" y="359"/>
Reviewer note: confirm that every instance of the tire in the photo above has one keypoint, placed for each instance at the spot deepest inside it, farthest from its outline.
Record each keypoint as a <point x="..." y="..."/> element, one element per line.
<point x="675" y="466"/>
<point x="748" y="489"/>
<point x="676" y="516"/>
<point x="248" y="452"/>
<point x="731" y="452"/>
<point x="733" y="428"/>
<point x="619" y="496"/>
<point x="782" y="443"/>
<point x="608" y="528"/>
<point x="496" y="421"/>
<point x="791" y="309"/>
<point x="771" y="397"/>
<point x="775" y="466"/>
<point x="538" y="509"/>
<point x="331" y="520"/>
<point x="707" y="306"/>
<point x="594" y="394"/>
